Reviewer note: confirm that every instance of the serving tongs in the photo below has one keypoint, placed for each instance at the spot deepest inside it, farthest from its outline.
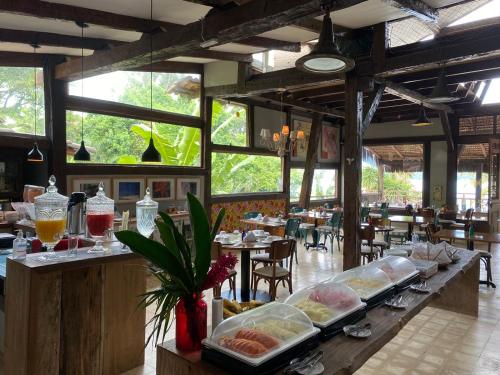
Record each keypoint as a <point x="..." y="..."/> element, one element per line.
<point x="400" y="302"/>
<point x="420" y="287"/>
<point x="307" y="361"/>
<point x="358" y="330"/>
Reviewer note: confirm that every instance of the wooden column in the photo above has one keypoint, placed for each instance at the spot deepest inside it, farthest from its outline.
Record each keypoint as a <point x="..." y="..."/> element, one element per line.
<point x="451" y="169"/>
<point x="426" y="189"/>
<point x="311" y="160"/>
<point x="207" y="153"/>
<point x="352" y="171"/>
<point x="479" y="174"/>
<point x="286" y="166"/>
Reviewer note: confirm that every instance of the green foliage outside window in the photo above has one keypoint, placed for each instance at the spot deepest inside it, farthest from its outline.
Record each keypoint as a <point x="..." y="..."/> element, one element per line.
<point x="17" y="100"/>
<point x="229" y="124"/>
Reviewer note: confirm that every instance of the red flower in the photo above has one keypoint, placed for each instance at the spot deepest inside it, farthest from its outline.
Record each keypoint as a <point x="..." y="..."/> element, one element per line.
<point x="219" y="270"/>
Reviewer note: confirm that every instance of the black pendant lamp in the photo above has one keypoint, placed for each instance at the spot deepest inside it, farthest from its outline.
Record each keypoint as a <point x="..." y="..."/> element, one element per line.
<point x="325" y="58"/>
<point x="422" y="119"/>
<point x="34" y="155"/>
<point x="440" y="93"/>
<point x="82" y="154"/>
<point x="151" y="155"/>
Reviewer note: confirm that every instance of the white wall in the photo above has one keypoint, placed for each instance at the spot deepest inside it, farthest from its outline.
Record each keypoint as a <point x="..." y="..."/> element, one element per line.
<point x="402" y="129"/>
<point x="439" y="155"/>
<point x="266" y="118"/>
<point x="220" y="73"/>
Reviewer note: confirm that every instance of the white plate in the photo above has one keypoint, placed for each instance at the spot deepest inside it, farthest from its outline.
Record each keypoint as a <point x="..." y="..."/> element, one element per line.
<point x="5" y="251"/>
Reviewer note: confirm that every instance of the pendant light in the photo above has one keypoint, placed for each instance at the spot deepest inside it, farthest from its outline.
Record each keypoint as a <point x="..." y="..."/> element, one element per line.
<point x="440" y="93"/>
<point x="82" y="154"/>
<point x="422" y="119"/>
<point x="325" y="58"/>
<point x="34" y="155"/>
<point x="151" y="155"/>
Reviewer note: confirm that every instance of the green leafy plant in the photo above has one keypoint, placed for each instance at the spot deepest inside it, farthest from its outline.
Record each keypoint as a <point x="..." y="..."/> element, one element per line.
<point x="182" y="270"/>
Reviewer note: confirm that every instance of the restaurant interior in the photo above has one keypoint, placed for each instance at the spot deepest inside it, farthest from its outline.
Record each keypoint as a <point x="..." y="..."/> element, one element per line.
<point x="242" y="187"/>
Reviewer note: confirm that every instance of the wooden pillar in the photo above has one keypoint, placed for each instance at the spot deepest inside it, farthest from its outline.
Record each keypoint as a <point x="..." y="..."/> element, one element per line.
<point x="311" y="160"/>
<point x="207" y="154"/>
<point x="352" y="171"/>
<point x="426" y="189"/>
<point x="286" y="166"/>
<point x="479" y="175"/>
<point x="451" y="169"/>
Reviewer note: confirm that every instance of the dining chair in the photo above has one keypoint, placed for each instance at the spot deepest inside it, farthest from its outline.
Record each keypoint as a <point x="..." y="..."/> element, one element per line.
<point x="296" y="210"/>
<point x="384" y="205"/>
<point x="292" y="226"/>
<point x="382" y="244"/>
<point x="275" y="273"/>
<point x="468" y="220"/>
<point x="384" y="212"/>
<point x="368" y="251"/>
<point x="331" y="229"/>
<point x="430" y="229"/>
<point x="215" y="253"/>
<point x="365" y="212"/>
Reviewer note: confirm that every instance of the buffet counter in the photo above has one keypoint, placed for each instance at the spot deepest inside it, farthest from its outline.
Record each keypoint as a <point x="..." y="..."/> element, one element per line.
<point x="454" y="288"/>
<point x="76" y="315"/>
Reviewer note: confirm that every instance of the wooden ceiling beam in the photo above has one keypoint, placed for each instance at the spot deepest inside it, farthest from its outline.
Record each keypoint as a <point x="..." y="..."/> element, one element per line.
<point x="445" y="123"/>
<point x="267" y="43"/>
<point x="51" y="39"/>
<point x="228" y="26"/>
<point x="416" y="8"/>
<point x="278" y="99"/>
<point x="21" y="59"/>
<point x="220" y="55"/>
<point x="372" y="105"/>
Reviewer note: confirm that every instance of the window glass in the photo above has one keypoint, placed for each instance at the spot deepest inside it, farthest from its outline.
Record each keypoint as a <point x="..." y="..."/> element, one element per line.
<point x="117" y="140"/>
<point x="401" y="169"/>
<point x="172" y="92"/>
<point x="243" y="173"/>
<point x="296" y="176"/>
<point x="17" y="100"/>
<point x="324" y="184"/>
<point x="229" y="123"/>
<point x="472" y="177"/>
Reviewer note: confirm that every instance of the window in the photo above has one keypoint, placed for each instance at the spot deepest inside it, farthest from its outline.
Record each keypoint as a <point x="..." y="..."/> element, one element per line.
<point x="472" y="177"/>
<point x="324" y="184"/>
<point x="229" y="123"/>
<point x="172" y="92"/>
<point x="400" y="168"/>
<point x="243" y="173"/>
<point x="117" y="140"/>
<point x="17" y="100"/>
<point x="296" y="176"/>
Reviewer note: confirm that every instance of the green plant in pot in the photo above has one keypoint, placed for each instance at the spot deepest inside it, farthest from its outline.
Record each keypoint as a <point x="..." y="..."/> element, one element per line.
<point x="184" y="272"/>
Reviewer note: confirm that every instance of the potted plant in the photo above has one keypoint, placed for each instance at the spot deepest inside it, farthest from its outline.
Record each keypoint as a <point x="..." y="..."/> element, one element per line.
<point x="184" y="272"/>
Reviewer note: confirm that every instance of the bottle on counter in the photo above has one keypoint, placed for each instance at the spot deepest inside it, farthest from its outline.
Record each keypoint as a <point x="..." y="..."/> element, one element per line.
<point x="19" y="246"/>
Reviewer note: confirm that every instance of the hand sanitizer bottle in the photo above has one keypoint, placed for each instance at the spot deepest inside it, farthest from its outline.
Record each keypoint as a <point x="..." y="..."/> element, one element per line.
<point x="19" y="246"/>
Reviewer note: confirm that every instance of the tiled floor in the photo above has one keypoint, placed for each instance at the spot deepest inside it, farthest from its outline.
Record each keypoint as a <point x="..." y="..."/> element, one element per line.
<point x="434" y="342"/>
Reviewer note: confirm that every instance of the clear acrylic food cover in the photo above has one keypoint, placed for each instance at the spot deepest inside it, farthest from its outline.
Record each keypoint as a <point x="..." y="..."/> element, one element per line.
<point x="366" y="281"/>
<point x="397" y="268"/>
<point x="327" y="302"/>
<point x="260" y="334"/>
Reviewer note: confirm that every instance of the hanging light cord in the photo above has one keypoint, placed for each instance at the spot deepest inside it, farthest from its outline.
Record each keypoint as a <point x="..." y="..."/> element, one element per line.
<point x="34" y="71"/>
<point x="151" y="67"/>
<point x="81" y="113"/>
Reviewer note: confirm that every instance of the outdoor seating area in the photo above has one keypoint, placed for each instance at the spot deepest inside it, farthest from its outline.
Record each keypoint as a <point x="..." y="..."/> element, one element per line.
<point x="249" y="187"/>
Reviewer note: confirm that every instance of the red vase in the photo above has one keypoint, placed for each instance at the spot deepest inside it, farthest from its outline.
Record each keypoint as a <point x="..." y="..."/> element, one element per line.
<point x="190" y="323"/>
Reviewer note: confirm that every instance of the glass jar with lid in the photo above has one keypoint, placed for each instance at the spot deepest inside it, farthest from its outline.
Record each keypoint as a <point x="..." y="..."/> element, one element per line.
<point x="50" y="217"/>
<point x="146" y="211"/>
<point x="100" y="216"/>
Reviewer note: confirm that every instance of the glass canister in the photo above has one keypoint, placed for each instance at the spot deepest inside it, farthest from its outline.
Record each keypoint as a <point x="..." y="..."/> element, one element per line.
<point x="146" y="211"/>
<point x="50" y="217"/>
<point x="100" y="215"/>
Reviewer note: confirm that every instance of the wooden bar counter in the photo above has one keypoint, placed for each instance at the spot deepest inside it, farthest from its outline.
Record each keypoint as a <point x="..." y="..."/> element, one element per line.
<point x="75" y="316"/>
<point x="454" y="289"/>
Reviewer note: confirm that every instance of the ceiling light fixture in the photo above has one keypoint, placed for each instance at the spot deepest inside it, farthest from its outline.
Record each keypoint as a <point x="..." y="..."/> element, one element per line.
<point x="422" y="119"/>
<point x="440" y="93"/>
<point x="82" y="154"/>
<point x="34" y="155"/>
<point x="325" y="58"/>
<point x="151" y="155"/>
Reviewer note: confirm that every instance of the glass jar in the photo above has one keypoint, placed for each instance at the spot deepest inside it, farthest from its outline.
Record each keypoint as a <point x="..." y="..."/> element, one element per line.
<point x="100" y="216"/>
<point x="146" y="211"/>
<point x="190" y="323"/>
<point x="50" y="218"/>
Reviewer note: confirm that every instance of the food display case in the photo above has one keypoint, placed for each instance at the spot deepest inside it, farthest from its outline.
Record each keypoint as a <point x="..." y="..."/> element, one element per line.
<point x="262" y="340"/>
<point x="330" y="306"/>
<point x="401" y="271"/>
<point x="370" y="283"/>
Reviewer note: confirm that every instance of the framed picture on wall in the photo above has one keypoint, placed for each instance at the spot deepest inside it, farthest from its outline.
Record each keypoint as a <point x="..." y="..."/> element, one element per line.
<point x="329" y="150"/>
<point x="299" y="150"/>
<point x="128" y="190"/>
<point x="162" y="188"/>
<point x="90" y="185"/>
<point x="191" y="185"/>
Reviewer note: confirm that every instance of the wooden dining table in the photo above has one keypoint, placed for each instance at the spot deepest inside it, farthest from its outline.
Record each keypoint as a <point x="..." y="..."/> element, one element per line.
<point x="273" y="226"/>
<point x="407" y="219"/>
<point x="460" y="234"/>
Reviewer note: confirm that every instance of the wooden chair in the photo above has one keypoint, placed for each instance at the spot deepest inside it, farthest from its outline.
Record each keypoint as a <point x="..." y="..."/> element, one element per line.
<point x="430" y="229"/>
<point x="215" y="254"/>
<point x="365" y="212"/>
<point x="383" y="243"/>
<point x="331" y="229"/>
<point x="368" y="251"/>
<point x="467" y="219"/>
<point x="429" y="217"/>
<point x="274" y="273"/>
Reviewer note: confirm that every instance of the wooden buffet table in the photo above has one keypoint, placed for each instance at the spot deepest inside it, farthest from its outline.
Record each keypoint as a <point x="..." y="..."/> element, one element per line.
<point x="454" y="289"/>
<point x="75" y="316"/>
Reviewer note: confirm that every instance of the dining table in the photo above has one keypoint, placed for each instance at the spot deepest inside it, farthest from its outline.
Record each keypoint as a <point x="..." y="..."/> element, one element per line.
<point x="274" y="226"/>
<point x="312" y="216"/>
<point x="407" y="219"/>
<point x="245" y="248"/>
<point x="460" y="234"/>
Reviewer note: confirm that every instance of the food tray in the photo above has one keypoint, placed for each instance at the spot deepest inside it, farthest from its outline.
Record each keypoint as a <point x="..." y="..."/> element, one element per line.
<point x="326" y="303"/>
<point x="286" y="324"/>
<point x="368" y="282"/>
<point x="401" y="271"/>
<point x="338" y="327"/>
